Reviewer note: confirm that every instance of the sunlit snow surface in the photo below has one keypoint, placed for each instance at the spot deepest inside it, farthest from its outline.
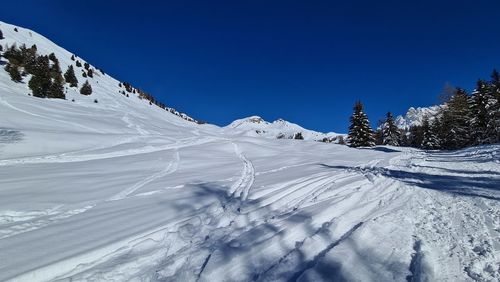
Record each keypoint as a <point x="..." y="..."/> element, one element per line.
<point x="121" y="190"/>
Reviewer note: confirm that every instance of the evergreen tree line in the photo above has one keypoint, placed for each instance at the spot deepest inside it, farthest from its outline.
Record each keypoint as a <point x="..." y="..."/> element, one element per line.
<point x="153" y="101"/>
<point x="47" y="80"/>
<point x="142" y="95"/>
<point x="464" y="120"/>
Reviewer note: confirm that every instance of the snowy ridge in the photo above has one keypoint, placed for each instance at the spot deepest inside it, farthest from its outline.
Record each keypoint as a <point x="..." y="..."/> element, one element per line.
<point x="256" y="126"/>
<point x="106" y="89"/>
<point x="415" y="116"/>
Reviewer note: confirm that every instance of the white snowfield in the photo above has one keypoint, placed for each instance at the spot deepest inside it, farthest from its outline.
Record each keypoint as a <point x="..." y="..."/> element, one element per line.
<point x="124" y="191"/>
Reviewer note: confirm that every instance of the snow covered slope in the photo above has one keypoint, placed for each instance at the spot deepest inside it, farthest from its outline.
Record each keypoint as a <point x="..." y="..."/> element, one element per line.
<point x="280" y="129"/>
<point x="125" y="191"/>
<point x="415" y="116"/>
<point x="106" y="89"/>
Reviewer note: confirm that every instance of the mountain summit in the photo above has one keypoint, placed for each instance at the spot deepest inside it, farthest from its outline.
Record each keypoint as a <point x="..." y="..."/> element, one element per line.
<point x="279" y="129"/>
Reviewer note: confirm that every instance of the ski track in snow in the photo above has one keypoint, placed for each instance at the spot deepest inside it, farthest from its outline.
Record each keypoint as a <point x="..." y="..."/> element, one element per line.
<point x="12" y="223"/>
<point x="74" y="157"/>
<point x="242" y="186"/>
<point x="191" y="249"/>
<point x="453" y="230"/>
<point x="169" y="169"/>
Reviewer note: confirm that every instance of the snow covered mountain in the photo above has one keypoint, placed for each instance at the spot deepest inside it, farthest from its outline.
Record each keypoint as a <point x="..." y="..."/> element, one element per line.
<point x="415" y="116"/>
<point x="255" y="126"/>
<point x="122" y="190"/>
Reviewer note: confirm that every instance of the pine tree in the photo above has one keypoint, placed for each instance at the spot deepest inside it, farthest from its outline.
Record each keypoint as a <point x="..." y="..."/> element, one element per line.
<point x="416" y="136"/>
<point x="128" y="87"/>
<point x="70" y="77"/>
<point x="478" y="104"/>
<point x="1" y="35"/>
<point x="15" y="58"/>
<point x="429" y="139"/>
<point x="360" y="132"/>
<point x="405" y="142"/>
<point x="53" y="57"/>
<point x="379" y="136"/>
<point x="453" y="124"/>
<point x="390" y="132"/>
<point x="29" y="57"/>
<point x="86" y="65"/>
<point x="14" y="73"/>
<point x="86" y="88"/>
<point x="40" y="82"/>
<point x="56" y="89"/>
<point x="90" y="73"/>
<point x="493" y="108"/>
<point x="72" y="57"/>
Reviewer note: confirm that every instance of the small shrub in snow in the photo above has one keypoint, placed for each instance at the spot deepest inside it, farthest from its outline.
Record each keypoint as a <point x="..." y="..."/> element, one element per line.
<point x="341" y="140"/>
<point x="86" y="89"/>
<point x="298" y="136"/>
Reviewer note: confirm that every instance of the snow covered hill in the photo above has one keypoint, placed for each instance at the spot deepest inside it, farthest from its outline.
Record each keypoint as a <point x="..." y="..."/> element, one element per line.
<point x="415" y="116"/>
<point x="280" y="129"/>
<point x="121" y="190"/>
<point x="107" y="90"/>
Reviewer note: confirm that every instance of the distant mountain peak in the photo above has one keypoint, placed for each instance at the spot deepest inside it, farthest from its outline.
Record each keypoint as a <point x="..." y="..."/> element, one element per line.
<point x="256" y="126"/>
<point x="415" y="116"/>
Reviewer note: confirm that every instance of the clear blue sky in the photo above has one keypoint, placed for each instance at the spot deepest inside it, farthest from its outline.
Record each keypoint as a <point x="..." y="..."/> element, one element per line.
<point x="304" y="61"/>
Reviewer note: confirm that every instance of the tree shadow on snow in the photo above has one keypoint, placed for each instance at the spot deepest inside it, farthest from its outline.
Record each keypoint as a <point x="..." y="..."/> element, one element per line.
<point x="10" y="136"/>
<point x="459" y="171"/>
<point x="382" y="149"/>
<point x="255" y="227"/>
<point x="485" y="187"/>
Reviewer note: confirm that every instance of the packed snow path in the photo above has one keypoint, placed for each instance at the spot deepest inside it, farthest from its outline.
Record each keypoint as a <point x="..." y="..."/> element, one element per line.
<point x="315" y="211"/>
